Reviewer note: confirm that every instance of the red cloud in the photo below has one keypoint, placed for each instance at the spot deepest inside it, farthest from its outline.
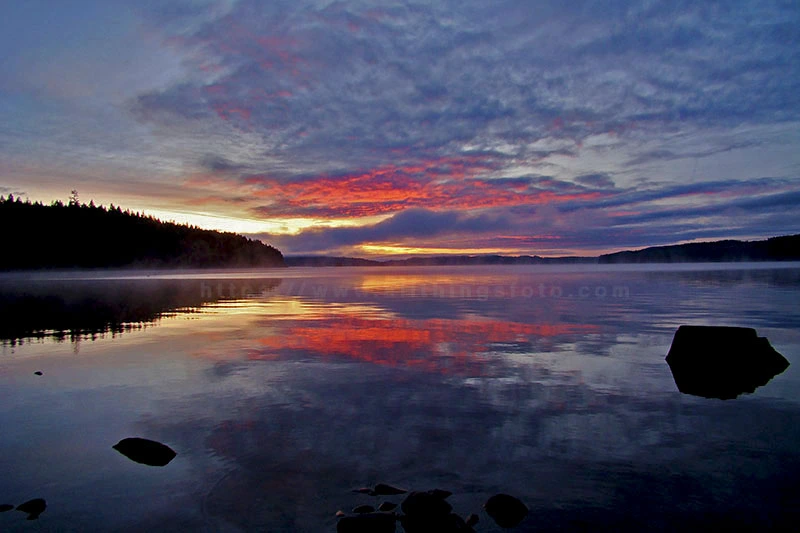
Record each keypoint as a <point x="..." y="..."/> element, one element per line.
<point x="442" y="183"/>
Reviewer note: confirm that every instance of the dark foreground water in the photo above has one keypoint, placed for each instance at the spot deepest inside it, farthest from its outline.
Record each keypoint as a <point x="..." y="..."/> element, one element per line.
<point x="283" y="390"/>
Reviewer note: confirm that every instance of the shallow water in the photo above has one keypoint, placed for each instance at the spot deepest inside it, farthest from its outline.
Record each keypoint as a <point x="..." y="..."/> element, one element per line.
<point x="282" y="390"/>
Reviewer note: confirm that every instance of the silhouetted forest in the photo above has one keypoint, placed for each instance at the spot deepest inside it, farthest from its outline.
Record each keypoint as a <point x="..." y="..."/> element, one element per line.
<point x="77" y="235"/>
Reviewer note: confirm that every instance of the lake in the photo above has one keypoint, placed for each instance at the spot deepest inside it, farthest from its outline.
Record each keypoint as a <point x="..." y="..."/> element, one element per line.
<point x="283" y="390"/>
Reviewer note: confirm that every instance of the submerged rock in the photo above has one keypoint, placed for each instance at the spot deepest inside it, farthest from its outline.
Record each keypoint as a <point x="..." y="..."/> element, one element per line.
<point x="506" y="510"/>
<point x="387" y="506"/>
<point x="33" y="507"/>
<point x="5" y="507"/>
<point x="367" y="523"/>
<point x="361" y="509"/>
<point x="145" y="451"/>
<point x="722" y="362"/>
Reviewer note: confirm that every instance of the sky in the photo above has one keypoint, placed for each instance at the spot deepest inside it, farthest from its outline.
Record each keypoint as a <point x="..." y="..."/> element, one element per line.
<point x="379" y="129"/>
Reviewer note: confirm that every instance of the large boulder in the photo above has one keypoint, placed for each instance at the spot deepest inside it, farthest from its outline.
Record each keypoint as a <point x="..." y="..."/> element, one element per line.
<point x="722" y="362"/>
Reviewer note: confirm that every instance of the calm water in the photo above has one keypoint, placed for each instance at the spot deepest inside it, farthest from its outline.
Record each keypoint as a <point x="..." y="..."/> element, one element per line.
<point x="283" y="390"/>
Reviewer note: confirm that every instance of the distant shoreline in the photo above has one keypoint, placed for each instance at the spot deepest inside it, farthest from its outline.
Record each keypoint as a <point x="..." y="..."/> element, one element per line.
<point x="775" y="249"/>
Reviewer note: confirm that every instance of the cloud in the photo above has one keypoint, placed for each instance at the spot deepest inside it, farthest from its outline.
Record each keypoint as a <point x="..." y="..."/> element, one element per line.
<point x="622" y="219"/>
<point x="587" y="113"/>
<point x="444" y="183"/>
<point x="5" y="191"/>
<point x="412" y="225"/>
<point x="340" y="80"/>
<point x="218" y="163"/>
<point x="598" y="180"/>
<point x="670" y="155"/>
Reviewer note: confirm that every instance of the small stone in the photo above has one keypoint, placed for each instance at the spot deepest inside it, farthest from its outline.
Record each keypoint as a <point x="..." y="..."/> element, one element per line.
<point x="382" y="489"/>
<point x="365" y="490"/>
<point x="340" y="514"/>
<point x="506" y="510"/>
<point x="361" y="509"/>
<point x="33" y="507"/>
<point x="145" y="451"/>
<point x="387" y="506"/>
<point x="38" y="373"/>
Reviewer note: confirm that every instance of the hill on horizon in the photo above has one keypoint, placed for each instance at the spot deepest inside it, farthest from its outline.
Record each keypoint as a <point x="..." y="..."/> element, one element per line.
<point x="782" y="248"/>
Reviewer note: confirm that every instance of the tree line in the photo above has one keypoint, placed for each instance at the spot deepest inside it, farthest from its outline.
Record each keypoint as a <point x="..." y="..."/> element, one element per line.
<point x="79" y="235"/>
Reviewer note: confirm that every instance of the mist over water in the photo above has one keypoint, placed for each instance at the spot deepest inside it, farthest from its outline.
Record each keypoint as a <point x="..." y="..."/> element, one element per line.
<point x="282" y="390"/>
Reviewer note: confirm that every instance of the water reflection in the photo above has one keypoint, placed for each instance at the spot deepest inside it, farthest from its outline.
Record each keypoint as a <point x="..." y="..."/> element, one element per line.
<point x="278" y="402"/>
<point x="88" y="308"/>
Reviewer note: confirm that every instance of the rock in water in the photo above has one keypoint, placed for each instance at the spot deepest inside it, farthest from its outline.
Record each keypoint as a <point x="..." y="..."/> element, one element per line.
<point x="722" y="362"/>
<point x="145" y="451"/>
<point x="362" y="509"/>
<point x="5" y="507"/>
<point x="38" y="373"/>
<point x="440" y="493"/>
<point x="387" y="506"/>
<point x="426" y="511"/>
<point x="428" y="503"/>
<point x="382" y="489"/>
<point x="506" y="510"/>
<point x="367" y="523"/>
<point x="33" y="507"/>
